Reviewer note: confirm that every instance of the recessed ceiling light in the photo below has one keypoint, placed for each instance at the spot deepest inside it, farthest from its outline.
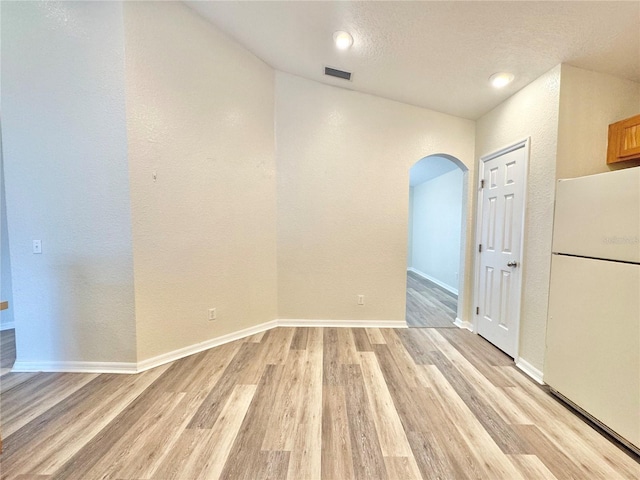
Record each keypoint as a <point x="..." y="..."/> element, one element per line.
<point x="343" y="40"/>
<point x="501" y="79"/>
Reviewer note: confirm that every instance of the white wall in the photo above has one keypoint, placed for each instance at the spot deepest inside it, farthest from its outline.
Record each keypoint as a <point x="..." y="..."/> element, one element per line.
<point x="343" y="176"/>
<point x="589" y="102"/>
<point x="437" y="221"/>
<point x="66" y="178"/>
<point x="200" y="113"/>
<point x="532" y="112"/>
<point x="6" y="289"/>
<point x="410" y="230"/>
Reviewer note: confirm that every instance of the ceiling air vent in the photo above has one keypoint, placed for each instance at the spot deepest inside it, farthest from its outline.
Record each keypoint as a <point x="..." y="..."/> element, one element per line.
<point x="333" y="72"/>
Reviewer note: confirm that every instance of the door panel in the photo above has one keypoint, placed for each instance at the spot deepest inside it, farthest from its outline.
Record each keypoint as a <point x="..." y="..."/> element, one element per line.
<point x="501" y="216"/>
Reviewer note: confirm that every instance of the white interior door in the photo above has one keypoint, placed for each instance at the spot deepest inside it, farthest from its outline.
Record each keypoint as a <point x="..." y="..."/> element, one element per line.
<point x="501" y="214"/>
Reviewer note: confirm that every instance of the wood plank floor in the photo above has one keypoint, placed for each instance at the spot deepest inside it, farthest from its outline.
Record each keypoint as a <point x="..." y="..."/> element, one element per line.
<point x="7" y="350"/>
<point x="428" y="304"/>
<point x="306" y="403"/>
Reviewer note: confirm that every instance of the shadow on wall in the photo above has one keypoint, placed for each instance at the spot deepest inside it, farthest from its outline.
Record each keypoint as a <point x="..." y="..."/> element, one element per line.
<point x="437" y="220"/>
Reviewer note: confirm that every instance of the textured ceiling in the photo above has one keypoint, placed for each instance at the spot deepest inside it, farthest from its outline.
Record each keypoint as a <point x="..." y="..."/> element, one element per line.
<point x="437" y="54"/>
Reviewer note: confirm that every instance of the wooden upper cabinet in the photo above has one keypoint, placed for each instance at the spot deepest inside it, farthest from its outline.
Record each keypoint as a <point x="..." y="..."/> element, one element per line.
<point x="624" y="140"/>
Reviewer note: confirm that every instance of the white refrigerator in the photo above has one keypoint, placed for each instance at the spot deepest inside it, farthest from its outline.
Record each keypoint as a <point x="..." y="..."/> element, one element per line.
<point x="592" y="356"/>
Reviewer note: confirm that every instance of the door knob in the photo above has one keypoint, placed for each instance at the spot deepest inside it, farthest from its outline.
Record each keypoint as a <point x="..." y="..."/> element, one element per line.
<point x="512" y="264"/>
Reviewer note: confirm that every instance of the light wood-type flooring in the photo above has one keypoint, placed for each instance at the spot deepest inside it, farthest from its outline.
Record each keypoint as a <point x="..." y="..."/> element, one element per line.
<point x="306" y="403"/>
<point x="7" y="350"/>
<point x="428" y="304"/>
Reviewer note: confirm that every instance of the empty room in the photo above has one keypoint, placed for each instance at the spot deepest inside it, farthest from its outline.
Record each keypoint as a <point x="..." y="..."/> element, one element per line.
<point x="219" y="219"/>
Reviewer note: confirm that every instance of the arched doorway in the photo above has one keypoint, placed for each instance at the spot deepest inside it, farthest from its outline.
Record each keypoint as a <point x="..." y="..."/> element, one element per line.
<point x="436" y="241"/>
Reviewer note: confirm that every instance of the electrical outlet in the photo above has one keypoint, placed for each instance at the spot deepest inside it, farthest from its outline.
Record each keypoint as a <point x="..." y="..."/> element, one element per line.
<point x="212" y="314"/>
<point x="360" y="299"/>
<point x="37" y="246"/>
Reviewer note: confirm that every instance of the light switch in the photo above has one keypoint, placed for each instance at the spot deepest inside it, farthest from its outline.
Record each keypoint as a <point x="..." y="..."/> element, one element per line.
<point x="37" y="246"/>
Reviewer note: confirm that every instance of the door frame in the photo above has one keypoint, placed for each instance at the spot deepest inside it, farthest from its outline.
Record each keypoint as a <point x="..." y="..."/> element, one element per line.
<point x="526" y="145"/>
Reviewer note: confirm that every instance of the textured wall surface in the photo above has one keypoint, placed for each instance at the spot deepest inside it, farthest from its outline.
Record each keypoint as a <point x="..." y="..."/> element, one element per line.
<point x="532" y="112"/>
<point x="589" y="102"/>
<point x="436" y="220"/>
<point x="6" y="289"/>
<point x="200" y="112"/>
<point x="410" y="230"/>
<point x="343" y="195"/>
<point x="66" y="178"/>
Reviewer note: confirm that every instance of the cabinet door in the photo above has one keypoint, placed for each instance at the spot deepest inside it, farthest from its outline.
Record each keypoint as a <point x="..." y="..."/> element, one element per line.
<point x="624" y="140"/>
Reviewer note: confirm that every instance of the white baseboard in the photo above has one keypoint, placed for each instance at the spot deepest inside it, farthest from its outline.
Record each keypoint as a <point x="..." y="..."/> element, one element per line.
<point x="132" y="367"/>
<point x="7" y="326"/>
<point x="200" y="347"/>
<point x="463" y="324"/>
<point x="298" y="322"/>
<point x="118" y="367"/>
<point x="530" y="370"/>
<point x="75" y="367"/>
<point x="448" y="288"/>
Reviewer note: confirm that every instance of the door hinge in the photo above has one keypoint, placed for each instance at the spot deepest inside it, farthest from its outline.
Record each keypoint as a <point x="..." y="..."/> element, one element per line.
<point x="482" y="183"/>
<point x="480" y="248"/>
<point x="477" y="310"/>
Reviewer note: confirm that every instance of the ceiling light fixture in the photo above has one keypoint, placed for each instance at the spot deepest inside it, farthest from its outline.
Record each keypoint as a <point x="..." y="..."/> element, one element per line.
<point x="501" y="79"/>
<point x="343" y="40"/>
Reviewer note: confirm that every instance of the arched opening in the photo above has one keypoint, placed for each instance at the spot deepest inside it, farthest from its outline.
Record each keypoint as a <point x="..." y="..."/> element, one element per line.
<point x="436" y="241"/>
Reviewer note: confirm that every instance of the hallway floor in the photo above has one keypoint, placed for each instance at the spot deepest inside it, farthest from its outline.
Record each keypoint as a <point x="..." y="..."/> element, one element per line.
<point x="7" y="350"/>
<point x="428" y="304"/>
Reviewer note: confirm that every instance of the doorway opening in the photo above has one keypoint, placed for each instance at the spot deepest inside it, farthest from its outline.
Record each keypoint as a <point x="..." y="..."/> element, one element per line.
<point x="436" y="241"/>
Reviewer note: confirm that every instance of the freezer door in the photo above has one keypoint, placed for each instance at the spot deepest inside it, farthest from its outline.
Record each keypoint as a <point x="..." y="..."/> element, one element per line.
<point x="599" y="216"/>
<point x="593" y="340"/>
